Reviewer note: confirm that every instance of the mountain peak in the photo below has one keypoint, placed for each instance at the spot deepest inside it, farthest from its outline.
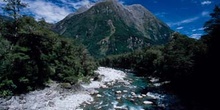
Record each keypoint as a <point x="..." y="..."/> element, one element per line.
<point x="113" y="1"/>
<point x="109" y="27"/>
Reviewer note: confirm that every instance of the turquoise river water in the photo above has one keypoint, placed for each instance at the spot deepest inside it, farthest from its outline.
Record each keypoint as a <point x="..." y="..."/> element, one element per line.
<point x="134" y="96"/>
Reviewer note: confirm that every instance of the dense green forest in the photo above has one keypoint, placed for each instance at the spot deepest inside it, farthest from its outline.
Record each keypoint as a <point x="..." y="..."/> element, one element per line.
<point x="191" y="65"/>
<point x="31" y="55"/>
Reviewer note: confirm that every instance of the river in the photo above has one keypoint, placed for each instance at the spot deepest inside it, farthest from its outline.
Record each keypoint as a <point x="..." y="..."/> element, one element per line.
<point x="139" y="94"/>
<point x="116" y="90"/>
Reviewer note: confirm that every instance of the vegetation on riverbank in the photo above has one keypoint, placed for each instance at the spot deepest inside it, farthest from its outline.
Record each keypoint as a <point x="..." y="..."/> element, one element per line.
<point x="188" y="63"/>
<point x="31" y="54"/>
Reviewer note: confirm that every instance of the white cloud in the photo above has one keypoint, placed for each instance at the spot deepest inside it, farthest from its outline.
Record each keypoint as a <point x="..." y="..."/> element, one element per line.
<point x="188" y="20"/>
<point x="47" y="10"/>
<point x="53" y="11"/>
<point x="205" y="13"/>
<point x="194" y="30"/>
<point x="185" y="21"/>
<point x="196" y="36"/>
<point x="206" y="3"/>
<point x="199" y="29"/>
<point x="179" y="28"/>
<point x="161" y="14"/>
<point x="78" y="4"/>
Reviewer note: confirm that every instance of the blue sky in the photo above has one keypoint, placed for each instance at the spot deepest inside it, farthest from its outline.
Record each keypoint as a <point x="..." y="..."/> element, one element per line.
<point x="184" y="16"/>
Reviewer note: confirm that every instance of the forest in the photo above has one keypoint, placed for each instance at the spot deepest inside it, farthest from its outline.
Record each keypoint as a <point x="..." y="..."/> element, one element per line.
<point x="190" y="64"/>
<point x="31" y="55"/>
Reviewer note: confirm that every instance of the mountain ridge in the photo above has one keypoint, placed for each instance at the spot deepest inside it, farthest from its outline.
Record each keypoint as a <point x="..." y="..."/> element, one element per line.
<point x="109" y="27"/>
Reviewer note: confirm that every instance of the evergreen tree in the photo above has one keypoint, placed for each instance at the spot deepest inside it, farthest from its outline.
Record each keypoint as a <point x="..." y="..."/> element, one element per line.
<point x="13" y="8"/>
<point x="209" y="69"/>
<point x="212" y="39"/>
<point x="38" y="54"/>
<point x="212" y="29"/>
<point x="213" y="25"/>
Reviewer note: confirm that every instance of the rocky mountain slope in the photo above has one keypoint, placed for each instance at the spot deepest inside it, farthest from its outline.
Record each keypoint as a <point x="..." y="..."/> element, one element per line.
<point x="109" y="27"/>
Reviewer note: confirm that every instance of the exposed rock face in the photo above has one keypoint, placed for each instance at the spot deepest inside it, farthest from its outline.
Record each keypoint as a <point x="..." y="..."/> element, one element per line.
<point x="109" y="27"/>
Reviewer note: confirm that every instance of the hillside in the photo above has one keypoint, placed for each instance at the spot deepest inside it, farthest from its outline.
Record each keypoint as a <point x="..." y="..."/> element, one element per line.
<point x="111" y="28"/>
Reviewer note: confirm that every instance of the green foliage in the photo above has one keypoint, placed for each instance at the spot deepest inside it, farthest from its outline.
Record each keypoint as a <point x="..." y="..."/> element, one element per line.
<point x="13" y="8"/>
<point x="145" y="62"/>
<point x="178" y="57"/>
<point x="213" y="24"/>
<point x="104" y="30"/>
<point x="6" y="27"/>
<point x="71" y="62"/>
<point x="5" y="65"/>
<point x="36" y="55"/>
<point x="191" y="65"/>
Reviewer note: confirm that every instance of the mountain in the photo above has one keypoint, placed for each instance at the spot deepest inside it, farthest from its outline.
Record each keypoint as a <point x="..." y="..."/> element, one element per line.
<point x="109" y="27"/>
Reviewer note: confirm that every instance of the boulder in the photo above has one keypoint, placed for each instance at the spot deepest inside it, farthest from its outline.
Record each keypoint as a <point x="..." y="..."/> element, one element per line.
<point x="109" y="84"/>
<point x="104" y="86"/>
<point x="51" y="104"/>
<point x="140" y="97"/>
<point x="153" y="80"/>
<point x="66" y="85"/>
<point x="98" y="95"/>
<point x="125" y="91"/>
<point x="93" y="92"/>
<point x="132" y="93"/>
<point x="147" y="102"/>
<point x="118" y="98"/>
<point x="144" y="95"/>
<point x="118" y="92"/>
<point x="132" y="100"/>
<point x="22" y="101"/>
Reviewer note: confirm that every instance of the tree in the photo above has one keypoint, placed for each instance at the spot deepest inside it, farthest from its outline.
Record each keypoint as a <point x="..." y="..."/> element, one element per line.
<point x="207" y="65"/>
<point x="213" y="25"/>
<point x="28" y="61"/>
<point x="212" y="29"/>
<point x="5" y="66"/>
<point x="1" y="26"/>
<point x="212" y="39"/>
<point x="13" y="8"/>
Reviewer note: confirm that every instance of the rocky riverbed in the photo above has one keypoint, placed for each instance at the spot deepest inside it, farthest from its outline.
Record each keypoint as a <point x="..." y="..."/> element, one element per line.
<point x="115" y="89"/>
<point x="54" y="97"/>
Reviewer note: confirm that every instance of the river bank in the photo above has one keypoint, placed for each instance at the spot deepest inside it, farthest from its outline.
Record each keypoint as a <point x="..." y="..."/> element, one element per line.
<point x="55" y="97"/>
<point x="112" y="89"/>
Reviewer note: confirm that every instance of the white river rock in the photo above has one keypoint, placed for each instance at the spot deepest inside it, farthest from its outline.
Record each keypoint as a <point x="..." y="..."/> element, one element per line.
<point x="56" y="98"/>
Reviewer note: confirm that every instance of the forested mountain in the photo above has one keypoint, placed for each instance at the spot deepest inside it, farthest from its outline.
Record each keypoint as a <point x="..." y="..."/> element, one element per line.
<point x="31" y="54"/>
<point x="109" y="28"/>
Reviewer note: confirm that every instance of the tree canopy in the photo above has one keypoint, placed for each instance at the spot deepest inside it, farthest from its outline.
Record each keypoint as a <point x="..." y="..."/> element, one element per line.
<point x="37" y="55"/>
<point x="191" y="65"/>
